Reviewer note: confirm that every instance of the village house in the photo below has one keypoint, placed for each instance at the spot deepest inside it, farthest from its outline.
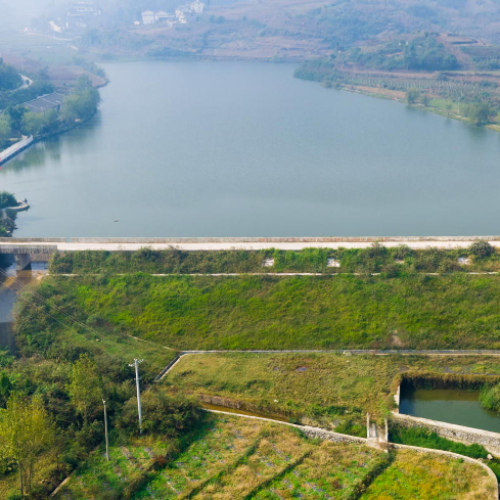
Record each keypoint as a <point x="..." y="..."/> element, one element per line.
<point x="148" y="17"/>
<point x="197" y="7"/>
<point x="182" y="14"/>
<point x="81" y="14"/>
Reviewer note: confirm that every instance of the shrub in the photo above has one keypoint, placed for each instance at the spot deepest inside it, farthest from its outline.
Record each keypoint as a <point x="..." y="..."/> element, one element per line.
<point x="163" y="414"/>
<point x="490" y="397"/>
<point x="481" y="249"/>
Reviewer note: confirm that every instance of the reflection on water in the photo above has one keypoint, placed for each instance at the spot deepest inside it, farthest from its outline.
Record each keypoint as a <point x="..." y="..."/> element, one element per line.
<point x="49" y="150"/>
<point x="456" y="406"/>
<point x="11" y="284"/>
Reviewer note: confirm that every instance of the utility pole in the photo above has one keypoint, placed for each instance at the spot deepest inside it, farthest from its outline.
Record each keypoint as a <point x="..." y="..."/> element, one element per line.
<point x="106" y="429"/>
<point x="136" y="365"/>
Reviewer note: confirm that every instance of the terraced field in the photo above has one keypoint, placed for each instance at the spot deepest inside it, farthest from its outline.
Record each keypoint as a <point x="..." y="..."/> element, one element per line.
<point x="235" y="458"/>
<point x="314" y="385"/>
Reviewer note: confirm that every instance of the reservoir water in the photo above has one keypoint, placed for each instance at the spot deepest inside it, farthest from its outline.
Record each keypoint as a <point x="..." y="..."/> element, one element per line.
<point x="244" y="149"/>
<point x="454" y="406"/>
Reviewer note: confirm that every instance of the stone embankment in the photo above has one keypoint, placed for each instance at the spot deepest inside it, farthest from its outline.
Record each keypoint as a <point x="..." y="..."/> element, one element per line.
<point x="311" y="432"/>
<point x="458" y="433"/>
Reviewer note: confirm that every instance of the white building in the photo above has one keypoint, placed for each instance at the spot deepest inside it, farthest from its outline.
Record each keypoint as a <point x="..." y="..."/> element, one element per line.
<point x="182" y="14"/>
<point x="148" y="17"/>
<point x="197" y="7"/>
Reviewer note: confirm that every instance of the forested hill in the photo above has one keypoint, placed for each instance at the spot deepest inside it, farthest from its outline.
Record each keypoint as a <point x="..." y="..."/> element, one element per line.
<point x="302" y="28"/>
<point x="351" y="20"/>
<point x="9" y="77"/>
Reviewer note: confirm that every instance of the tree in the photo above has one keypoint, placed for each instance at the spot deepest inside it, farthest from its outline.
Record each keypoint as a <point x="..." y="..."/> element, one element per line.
<point x="82" y="104"/>
<point x="481" y="249"/>
<point x="26" y="431"/>
<point x="32" y="123"/>
<point x="163" y="414"/>
<point x="412" y="96"/>
<point x="15" y="114"/>
<point x="479" y="113"/>
<point x="7" y="200"/>
<point x="9" y="77"/>
<point x="5" y="128"/>
<point x="5" y="388"/>
<point x="85" y="388"/>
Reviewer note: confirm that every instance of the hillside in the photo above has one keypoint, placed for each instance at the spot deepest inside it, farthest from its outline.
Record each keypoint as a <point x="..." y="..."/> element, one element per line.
<point x="292" y="29"/>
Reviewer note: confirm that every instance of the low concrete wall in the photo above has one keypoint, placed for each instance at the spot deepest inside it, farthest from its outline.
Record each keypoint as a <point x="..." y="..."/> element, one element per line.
<point x="312" y="432"/>
<point x="31" y="249"/>
<point x="458" y="433"/>
<point x="294" y="239"/>
<point x="32" y="240"/>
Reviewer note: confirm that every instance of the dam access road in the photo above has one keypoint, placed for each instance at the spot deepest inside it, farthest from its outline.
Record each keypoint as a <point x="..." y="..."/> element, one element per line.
<point x="49" y="245"/>
<point x="27" y="250"/>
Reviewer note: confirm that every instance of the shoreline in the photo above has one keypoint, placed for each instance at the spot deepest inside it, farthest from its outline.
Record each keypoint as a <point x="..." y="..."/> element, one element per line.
<point x="356" y="89"/>
<point x="375" y="93"/>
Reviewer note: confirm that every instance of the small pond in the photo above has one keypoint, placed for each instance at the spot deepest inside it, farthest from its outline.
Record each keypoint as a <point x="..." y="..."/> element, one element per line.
<point x="456" y="406"/>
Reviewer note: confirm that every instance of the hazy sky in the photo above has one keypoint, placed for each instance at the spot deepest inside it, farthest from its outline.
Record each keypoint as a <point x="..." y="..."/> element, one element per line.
<point x="16" y="12"/>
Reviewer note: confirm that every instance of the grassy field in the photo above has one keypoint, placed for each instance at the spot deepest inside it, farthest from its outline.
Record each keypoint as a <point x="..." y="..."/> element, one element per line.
<point x="428" y="477"/>
<point x="322" y="387"/>
<point x="253" y="312"/>
<point x="238" y="458"/>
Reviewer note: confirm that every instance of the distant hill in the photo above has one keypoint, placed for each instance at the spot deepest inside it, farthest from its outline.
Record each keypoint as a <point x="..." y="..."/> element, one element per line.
<point x="348" y="21"/>
<point x="291" y="29"/>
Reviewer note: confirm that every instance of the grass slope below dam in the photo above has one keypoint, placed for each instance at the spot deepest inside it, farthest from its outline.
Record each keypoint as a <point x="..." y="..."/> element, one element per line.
<point x="258" y="312"/>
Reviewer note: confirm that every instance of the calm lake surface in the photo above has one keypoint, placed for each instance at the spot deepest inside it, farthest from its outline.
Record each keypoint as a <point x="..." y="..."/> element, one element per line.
<point x="449" y="405"/>
<point x="244" y="149"/>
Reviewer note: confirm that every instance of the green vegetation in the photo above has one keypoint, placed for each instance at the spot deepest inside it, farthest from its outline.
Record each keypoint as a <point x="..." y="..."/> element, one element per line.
<point x="396" y="261"/>
<point x="345" y="387"/>
<point x="236" y="458"/>
<point x="266" y="312"/>
<point x="480" y="113"/>
<point x="422" y="53"/>
<point x="429" y="476"/>
<point x="417" y="436"/>
<point x="73" y="335"/>
<point x="82" y="103"/>
<point x="390" y="69"/>
<point x="41" y="86"/>
<point x="9" y="77"/>
<point x="17" y="121"/>
<point x="490" y="397"/>
<point x="7" y="217"/>
<point x="25" y="432"/>
<point x="51" y="397"/>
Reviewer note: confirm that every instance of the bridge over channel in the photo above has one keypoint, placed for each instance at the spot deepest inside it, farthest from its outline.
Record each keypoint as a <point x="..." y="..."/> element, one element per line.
<point x="26" y="250"/>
